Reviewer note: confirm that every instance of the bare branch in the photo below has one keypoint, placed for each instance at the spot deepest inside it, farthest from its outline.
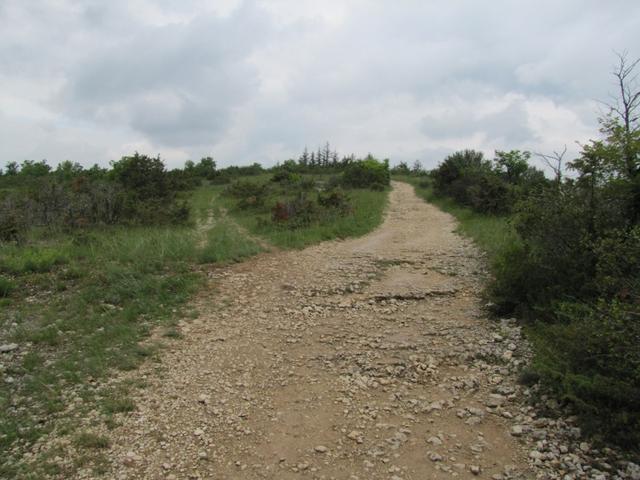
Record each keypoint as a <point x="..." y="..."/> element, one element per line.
<point x="554" y="162"/>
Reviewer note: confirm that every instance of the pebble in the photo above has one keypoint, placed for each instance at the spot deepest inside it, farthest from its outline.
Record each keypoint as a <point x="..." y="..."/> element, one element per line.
<point x="9" y="347"/>
<point x="435" y="457"/>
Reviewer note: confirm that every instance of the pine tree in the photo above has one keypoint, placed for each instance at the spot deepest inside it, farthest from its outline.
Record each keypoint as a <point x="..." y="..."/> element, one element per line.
<point x="304" y="158"/>
<point x="326" y="155"/>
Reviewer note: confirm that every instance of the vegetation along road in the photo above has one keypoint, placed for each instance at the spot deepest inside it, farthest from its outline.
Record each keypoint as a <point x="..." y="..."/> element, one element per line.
<point x="366" y="358"/>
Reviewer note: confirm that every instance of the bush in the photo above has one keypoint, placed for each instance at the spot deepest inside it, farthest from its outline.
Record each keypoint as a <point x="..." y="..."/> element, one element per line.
<point x="335" y="199"/>
<point x="485" y="186"/>
<point x="367" y="173"/>
<point x="575" y="246"/>
<point x="286" y="177"/>
<point x="591" y="358"/>
<point x="11" y="229"/>
<point x="307" y="184"/>
<point x="137" y="190"/>
<point x="296" y="213"/>
<point x="142" y="176"/>
<point x="249" y="194"/>
<point x="575" y="271"/>
<point x="302" y="212"/>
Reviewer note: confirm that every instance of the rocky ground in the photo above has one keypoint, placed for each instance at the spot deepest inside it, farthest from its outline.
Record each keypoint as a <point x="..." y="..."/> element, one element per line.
<point x="361" y="359"/>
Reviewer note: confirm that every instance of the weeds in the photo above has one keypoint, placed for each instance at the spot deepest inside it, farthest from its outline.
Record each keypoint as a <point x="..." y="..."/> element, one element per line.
<point x="6" y="287"/>
<point x="91" y="440"/>
<point x="226" y="244"/>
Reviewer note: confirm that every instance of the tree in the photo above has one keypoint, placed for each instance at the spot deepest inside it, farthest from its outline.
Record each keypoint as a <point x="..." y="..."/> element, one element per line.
<point x="512" y="165"/>
<point x="67" y="169"/>
<point x="555" y="162"/>
<point x="34" y="169"/>
<point x="326" y="154"/>
<point x="143" y="176"/>
<point x="401" y="169"/>
<point x="189" y="166"/>
<point x="206" y="167"/>
<point x="304" y="158"/>
<point x="621" y="124"/>
<point x="12" y="169"/>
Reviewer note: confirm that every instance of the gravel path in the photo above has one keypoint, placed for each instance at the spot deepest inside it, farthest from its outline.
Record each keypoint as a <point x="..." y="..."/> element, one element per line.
<point x="359" y="359"/>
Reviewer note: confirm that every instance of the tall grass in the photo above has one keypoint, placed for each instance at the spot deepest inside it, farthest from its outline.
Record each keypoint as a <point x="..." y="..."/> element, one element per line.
<point x="225" y="243"/>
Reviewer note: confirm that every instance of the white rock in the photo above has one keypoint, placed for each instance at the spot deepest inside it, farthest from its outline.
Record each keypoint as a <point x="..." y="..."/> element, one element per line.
<point x="435" y="457"/>
<point x="535" y="455"/>
<point x="633" y="471"/>
<point x="9" y="347"/>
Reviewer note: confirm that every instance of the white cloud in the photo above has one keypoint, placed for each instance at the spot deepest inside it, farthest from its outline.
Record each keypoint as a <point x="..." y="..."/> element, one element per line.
<point x="257" y="80"/>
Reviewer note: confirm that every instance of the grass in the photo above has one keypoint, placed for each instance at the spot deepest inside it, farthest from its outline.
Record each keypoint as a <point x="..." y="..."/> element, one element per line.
<point x="113" y="404"/>
<point x="368" y="211"/>
<point x="79" y="305"/>
<point x="91" y="440"/>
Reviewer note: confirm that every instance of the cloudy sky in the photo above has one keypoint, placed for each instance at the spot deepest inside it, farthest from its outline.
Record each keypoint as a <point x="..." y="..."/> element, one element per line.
<point x="246" y="81"/>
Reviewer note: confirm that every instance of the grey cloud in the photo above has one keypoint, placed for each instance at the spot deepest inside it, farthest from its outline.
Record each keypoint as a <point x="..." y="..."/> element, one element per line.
<point x="177" y="84"/>
<point x="509" y="124"/>
<point x="173" y="76"/>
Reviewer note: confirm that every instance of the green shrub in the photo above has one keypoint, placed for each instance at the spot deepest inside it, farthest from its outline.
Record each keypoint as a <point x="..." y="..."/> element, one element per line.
<point x="249" y="194"/>
<point x="487" y="187"/>
<point x="591" y="358"/>
<point x="575" y="246"/>
<point x="296" y="213"/>
<point x="335" y="199"/>
<point x="307" y="184"/>
<point x="11" y="229"/>
<point x="286" y="177"/>
<point x="142" y="176"/>
<point x="367" y="173"/>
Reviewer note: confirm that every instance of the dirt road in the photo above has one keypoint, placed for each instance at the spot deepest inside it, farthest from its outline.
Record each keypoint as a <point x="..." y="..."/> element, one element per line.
<point x="359" y="359"/>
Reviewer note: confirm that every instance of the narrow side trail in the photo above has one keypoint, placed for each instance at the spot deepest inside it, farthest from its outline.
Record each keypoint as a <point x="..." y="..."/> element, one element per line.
<point x="359" y="359"/>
